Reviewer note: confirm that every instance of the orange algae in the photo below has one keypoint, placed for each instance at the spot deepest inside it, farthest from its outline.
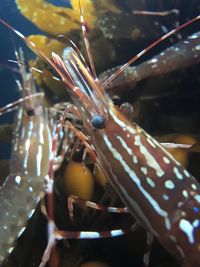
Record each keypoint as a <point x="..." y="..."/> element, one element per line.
<point x="78" y="180"/>
<point x="56" y="20"/>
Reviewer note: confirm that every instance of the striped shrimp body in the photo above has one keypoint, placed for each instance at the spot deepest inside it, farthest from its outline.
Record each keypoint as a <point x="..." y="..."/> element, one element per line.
<point x="158" y="192"/>
<point x="29" y="165"/>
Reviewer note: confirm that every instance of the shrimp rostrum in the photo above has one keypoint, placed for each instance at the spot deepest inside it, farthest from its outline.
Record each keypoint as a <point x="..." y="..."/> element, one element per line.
<point x="157" y="190"/>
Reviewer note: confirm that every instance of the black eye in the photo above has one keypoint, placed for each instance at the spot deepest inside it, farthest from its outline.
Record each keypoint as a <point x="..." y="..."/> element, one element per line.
<point x="30" y="112"/>
<point x="98" y="121"/>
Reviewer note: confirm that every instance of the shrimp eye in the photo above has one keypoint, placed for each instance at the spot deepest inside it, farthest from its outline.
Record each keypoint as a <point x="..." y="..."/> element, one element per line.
<point x="30" y="112"/>
<point x="98" y="121"/>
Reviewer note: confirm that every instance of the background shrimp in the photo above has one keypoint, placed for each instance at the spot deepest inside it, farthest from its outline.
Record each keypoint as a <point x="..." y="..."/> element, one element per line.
<point x="23" y="188"/>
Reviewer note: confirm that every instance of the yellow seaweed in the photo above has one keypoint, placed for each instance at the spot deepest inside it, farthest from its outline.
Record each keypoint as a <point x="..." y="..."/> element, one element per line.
<point x="56" y="20"/>
<point x="47" y="45"/>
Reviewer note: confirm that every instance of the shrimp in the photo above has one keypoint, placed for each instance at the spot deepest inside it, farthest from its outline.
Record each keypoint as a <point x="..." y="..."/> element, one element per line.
<point x="134" y="162"/>
<point x="29" y="164"/>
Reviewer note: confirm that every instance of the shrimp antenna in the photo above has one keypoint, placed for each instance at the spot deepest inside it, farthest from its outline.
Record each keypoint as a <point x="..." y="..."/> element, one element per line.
<point x="30" y="68"/>
<point x="58" y="65"/>
<point x="17" y="102"/>
<point x="86" y="42"/>
<point x="156" y="13"/>
<point x="144" y="51"/>
<point x="61" y="70"/>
